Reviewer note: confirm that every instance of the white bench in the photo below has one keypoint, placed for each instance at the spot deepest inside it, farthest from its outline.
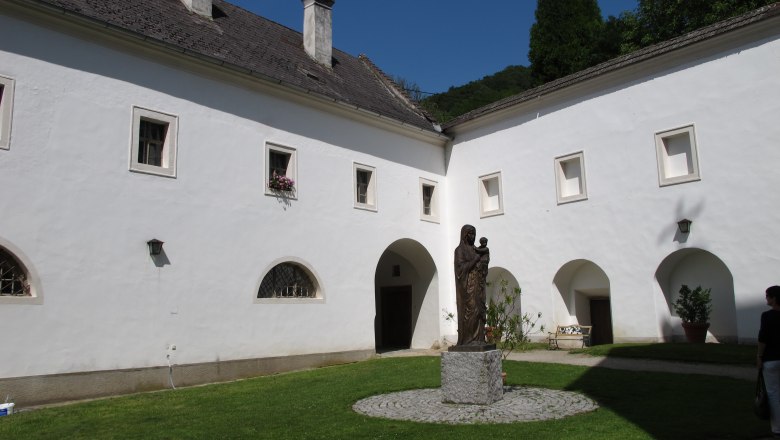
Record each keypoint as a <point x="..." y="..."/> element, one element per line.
<point x="567" y="334"/>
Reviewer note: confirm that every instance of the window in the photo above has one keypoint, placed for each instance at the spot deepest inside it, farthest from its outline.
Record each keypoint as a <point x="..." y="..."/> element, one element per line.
<point x="154" y="143"/>
<point x="490" y="199"/>
<point x="6" y="108"/>
<point x="13" y="278"/>
<point x="677" y="156"/>
<point x="365" y="187"/>
<point x="288" y="280"/>
<point x="570" y="178"/>
<point x="429" y="200"/>
<point x="281" y="172"/>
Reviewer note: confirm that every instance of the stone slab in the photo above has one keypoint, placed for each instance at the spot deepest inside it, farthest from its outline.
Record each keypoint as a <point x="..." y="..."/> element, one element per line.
<point x="471" y="377"/>
<point x="472" y="348"/>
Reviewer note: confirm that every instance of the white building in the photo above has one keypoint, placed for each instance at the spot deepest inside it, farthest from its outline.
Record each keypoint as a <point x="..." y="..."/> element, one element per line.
<point x="127" y="121"/>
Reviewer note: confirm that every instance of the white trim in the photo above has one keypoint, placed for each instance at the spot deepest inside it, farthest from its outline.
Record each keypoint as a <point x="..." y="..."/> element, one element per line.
<point x="491" y="198"/>
<point x="570" y="182"/>
<point x="677" y="156"/>
<point x="6" y="111"/>
<point x="320" y="299"/>
<point x="36" y="290"/>
<point x="371" y="192"/>
<point x="433" y="216"/>
<point x="168" y="168"/>
<point x="291" y="171"/>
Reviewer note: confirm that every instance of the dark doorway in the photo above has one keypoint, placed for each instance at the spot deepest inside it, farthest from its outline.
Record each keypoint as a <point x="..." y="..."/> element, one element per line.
<point x="395" y="305"/>
<point x="601" y="319"/>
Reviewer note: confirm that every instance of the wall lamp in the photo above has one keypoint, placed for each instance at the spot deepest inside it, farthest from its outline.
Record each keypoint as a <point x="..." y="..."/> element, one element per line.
<point x="155" y="246"/>
<point x="684" y="225"/>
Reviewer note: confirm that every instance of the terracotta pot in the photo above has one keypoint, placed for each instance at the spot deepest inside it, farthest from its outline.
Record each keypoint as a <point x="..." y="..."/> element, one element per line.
<point x="696" y="331"/>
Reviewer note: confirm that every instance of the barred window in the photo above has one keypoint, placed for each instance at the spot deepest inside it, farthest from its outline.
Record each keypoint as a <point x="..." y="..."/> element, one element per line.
<point x="287" y="280"/>
<point x="13" y="279"/>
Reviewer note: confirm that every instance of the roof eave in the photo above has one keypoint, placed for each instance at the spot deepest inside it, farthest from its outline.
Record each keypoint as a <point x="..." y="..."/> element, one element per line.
<point x="73" y="17"/>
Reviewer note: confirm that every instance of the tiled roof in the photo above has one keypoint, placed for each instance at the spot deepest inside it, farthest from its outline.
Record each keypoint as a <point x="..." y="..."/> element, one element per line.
<point x="241" y="40"/>
<point x="614" y="64"/>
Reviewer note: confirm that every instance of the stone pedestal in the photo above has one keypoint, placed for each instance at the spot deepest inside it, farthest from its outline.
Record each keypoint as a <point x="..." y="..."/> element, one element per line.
<point x="471" y="377"/>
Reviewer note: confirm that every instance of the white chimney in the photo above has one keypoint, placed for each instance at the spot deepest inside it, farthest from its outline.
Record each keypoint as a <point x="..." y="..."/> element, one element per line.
<point x="318" y="30"/>
<point x="200" y="7"/>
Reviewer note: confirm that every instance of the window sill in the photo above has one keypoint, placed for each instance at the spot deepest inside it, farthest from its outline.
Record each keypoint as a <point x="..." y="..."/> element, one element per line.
<point x="366" y="207"/>
<point x="21" y="300"/>
<point x="289" y="300"/>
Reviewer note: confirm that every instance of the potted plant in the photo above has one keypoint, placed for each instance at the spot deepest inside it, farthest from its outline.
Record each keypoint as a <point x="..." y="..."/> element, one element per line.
<point x="694" y="308"/>
<point x="281" y="183"/>
<point x="505" y="326"/>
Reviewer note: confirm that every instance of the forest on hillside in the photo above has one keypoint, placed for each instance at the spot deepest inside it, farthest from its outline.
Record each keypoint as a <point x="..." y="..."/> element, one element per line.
<point x="571" y="35"/>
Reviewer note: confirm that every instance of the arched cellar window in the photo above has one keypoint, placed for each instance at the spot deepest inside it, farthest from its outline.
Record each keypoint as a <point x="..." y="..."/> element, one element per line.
<point x="13" y="278"/>
<point x="287" y="280"/>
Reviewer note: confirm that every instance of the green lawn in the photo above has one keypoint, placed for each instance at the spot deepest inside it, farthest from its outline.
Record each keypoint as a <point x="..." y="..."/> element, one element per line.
<point x="316" y="404"/>
<point x="684" y="352"/>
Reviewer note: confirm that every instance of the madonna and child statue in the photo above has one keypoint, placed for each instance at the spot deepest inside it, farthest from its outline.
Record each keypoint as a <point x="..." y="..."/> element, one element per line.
<point x="471" y="270"/>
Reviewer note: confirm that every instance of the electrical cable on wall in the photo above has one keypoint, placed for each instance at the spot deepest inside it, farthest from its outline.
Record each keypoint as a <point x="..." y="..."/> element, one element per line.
<point x="170" y="371"/>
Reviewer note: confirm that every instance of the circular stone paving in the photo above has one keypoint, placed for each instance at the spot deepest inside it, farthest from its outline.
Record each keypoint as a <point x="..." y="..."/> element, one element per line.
<point x="520" y="404"/>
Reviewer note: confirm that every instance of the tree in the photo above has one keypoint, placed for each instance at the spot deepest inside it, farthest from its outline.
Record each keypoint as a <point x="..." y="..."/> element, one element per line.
<point x="410" y="87"/>
<point x="459" y="100"/>
<point x="565" y="38"/>
<point x="660" y="20"/>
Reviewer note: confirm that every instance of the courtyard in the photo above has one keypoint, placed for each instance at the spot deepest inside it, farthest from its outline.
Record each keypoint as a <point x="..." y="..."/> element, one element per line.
<point x="666" y="402"/>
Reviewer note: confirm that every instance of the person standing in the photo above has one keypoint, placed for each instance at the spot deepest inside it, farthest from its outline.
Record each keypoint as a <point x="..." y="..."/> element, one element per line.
<point x="768" y="358"/>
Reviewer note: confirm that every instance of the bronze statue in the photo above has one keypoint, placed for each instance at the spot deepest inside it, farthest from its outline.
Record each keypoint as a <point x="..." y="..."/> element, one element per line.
<point x="471" y="267"/>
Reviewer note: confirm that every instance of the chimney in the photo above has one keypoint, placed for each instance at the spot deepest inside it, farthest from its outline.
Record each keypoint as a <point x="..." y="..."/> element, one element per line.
<point x="200" y="7"/>
<point x="318" y="30"/>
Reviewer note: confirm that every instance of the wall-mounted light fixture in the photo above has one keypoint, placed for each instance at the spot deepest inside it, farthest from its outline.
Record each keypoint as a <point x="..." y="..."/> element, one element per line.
<point x="155" y="246"/>
<point x="684" y="225"/>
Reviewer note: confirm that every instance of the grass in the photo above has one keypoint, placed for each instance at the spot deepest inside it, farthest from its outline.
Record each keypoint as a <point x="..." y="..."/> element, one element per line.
<point x="316" y="404"/>
<point x="682" y="352"/>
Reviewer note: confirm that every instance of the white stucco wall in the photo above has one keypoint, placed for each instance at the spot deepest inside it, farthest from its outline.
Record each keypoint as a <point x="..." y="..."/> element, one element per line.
<point x="79" y="220"/>
<point x="627" y="226"/>
<point x="82" y="219"/>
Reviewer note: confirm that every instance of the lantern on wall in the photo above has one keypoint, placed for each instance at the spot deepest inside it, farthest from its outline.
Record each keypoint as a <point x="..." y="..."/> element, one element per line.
<point x="684" y="225"/>
<point x="155" y="246"/>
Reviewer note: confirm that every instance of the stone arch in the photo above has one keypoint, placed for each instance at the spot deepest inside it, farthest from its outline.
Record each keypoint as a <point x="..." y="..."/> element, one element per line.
<point x="696" y="267"/>
<point x="495" y="275"/>
<point x="581" y="295"/>
<point x="406" y="296"/>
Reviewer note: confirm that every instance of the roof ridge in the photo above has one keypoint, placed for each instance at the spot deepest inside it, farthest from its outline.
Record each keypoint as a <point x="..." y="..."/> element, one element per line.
<point x="399" y="91"/>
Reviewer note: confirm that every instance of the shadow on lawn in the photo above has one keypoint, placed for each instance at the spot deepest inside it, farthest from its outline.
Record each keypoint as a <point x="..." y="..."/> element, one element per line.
<point x="671" y="405"/>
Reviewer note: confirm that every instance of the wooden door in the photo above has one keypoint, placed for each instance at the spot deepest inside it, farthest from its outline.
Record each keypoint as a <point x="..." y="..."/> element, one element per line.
<point x="396" y="315"/>
<point x="601" y="319"/>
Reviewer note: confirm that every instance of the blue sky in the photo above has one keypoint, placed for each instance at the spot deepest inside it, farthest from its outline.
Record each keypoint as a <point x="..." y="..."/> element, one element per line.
<point x="434" y="43"/>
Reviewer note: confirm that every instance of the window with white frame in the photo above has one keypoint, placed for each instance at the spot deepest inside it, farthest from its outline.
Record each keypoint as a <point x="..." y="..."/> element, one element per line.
<point x="281" y="170"/>
<point x="678" y="159"/>
<point x="570" y="181"/>
<point x="287" y="280"/>
<point x="6" y="110"/>
<point x="154" y="142"/>
<point x="429" y="200"/>
<point x="364" y="179"/>
<point x="490" y="198"/>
